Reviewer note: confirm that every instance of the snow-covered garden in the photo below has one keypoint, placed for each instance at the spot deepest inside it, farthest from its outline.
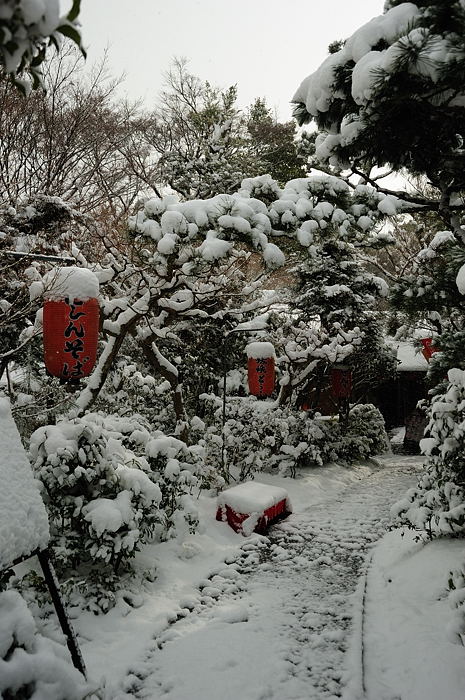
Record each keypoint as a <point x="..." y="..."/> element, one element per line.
<point x="192" y="334"/>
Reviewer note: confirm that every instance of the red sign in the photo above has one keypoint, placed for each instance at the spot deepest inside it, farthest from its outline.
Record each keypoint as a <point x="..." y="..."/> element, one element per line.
<point x="70" y="337"/>
<point x="261" y="376"/>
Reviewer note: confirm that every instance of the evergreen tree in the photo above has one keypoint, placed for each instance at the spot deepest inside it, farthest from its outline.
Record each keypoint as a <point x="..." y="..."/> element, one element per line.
<point x="393" y="94"/>
<point x="205" y="145"/>
<point x="334" y="292"/>
<point x="274" y="145"/>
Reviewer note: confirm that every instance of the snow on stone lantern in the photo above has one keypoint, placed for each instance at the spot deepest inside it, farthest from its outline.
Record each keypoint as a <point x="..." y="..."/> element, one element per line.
<point x="261" y="368"/>
<point x="341" y="381"/>
<point x="70" y="322"/>
<point x="428" y="348"/>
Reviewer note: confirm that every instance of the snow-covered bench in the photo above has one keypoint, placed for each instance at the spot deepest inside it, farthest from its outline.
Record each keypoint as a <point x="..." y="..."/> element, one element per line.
<point x="252" y="507"/>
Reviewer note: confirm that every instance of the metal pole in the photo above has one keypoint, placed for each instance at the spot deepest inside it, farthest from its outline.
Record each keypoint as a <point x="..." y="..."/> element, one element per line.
<point x="224" y="467"/>
<point x="53" y="586"/>
<point x="223" y="446"/>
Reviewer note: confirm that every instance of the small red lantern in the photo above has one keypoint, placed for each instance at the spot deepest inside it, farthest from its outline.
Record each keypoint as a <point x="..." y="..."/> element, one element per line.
<point x="261" y="369"/>
<point x="341" y="381"/>
<point x="428" y="349"/>
<point x="71" y="324"/>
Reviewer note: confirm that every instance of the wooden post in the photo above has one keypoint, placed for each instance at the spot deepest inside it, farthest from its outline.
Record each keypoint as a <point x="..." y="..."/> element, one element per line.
<point x="53" y="586"/>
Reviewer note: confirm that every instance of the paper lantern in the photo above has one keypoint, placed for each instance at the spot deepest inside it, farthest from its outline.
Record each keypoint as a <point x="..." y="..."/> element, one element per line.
<point x="428" y="349"/>
<point x="70" y="337"/>
<point x="261" y="369"/>
<point x="70" y="322"/>
<point x="341" y="382"/>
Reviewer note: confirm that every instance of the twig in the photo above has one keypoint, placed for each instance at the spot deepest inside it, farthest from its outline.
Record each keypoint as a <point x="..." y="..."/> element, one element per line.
<point x="36" y="256"/>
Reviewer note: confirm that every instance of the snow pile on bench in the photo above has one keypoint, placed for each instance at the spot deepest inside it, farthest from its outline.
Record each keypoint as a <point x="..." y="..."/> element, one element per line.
<point x="251" y="506"/>
<point x="23" y="518"/>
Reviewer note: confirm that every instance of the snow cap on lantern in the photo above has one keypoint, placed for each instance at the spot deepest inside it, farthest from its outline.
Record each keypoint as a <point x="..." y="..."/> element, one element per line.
<point x="70" y="321"/>
<point x="261" y="368"/>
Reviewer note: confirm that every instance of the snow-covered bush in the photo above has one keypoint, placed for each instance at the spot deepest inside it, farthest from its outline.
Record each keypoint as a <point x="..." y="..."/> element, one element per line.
<point x="130" y="384"/>
<point x="110" y="485"/>
<point x="31" y="665"/>
<point x="262" y="436"/>
<point x="101" y="501"/>
<point x="437" y="503"/>
<point x="364" y="435"/>
<point x="259" y="436"/>
<point x="178" y="469"/>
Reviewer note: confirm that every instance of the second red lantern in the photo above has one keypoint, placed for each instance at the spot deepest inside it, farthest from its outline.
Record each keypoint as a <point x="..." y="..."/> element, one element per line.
<point x="261" y="369"/>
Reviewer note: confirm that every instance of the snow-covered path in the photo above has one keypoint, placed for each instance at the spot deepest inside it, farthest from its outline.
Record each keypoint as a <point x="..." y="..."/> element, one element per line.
<point x="274" y="621"/>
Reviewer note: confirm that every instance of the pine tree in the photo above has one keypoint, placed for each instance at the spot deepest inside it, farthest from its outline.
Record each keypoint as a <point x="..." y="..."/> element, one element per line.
<point x="394" y="95"/>
<point x="274" y="144"/>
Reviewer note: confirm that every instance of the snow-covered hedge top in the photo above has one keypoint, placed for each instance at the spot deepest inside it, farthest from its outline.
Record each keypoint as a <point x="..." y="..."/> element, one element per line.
<point x="252" y="497"/>
<point x="259" y="350"/>
<point x="23" y="519"/>
<point x="61" y="282"/>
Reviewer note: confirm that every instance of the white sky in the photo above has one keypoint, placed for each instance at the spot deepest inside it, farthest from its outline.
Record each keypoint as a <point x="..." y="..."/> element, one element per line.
<point x="266" y="47"/>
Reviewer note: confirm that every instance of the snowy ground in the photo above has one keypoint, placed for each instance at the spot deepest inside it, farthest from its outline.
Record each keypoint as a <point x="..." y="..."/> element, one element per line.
<point x="313" y="610"/>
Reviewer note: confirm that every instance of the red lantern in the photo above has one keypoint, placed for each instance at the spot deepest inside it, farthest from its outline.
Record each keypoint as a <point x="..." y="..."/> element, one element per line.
<point x="70" y="337"/>
<point x="428" y="349"/>
<point x="341" y="382"/>
<point x="261" y="373"/>
<point x="261" y="369"/>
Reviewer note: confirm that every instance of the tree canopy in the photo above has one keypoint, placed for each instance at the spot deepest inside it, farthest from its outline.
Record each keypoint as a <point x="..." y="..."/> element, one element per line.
<point x="393" y="95"/>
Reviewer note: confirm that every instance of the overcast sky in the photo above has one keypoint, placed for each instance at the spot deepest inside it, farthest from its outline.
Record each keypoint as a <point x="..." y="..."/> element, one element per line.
<point x="266" y="47"/>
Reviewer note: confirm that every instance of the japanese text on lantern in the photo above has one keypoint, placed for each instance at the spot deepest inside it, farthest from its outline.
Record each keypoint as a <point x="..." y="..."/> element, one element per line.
<point x="74" y="346"/>
<point x="70" y="337"/>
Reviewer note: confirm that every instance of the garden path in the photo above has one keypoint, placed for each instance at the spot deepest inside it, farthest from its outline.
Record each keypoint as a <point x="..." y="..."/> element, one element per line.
<point x="275" y="621"/>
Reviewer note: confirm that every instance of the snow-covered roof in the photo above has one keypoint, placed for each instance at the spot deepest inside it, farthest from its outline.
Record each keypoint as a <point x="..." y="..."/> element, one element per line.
<point x="23" y="518"/>
<point x="409" y="357"/>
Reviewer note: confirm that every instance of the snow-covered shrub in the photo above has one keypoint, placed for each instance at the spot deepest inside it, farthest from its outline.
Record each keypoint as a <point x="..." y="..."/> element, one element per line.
<point x="261" y="436"/>
<point x="437" y="503"/>
<point x="364" y="435"/>
<point x="254" y="433"/>
<point x="131" y="385"/>
<point x="112" y="484"/>
<point x="178" y="469"/>
<point x="31" y="665"/>
<point x="101" y="500"/>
